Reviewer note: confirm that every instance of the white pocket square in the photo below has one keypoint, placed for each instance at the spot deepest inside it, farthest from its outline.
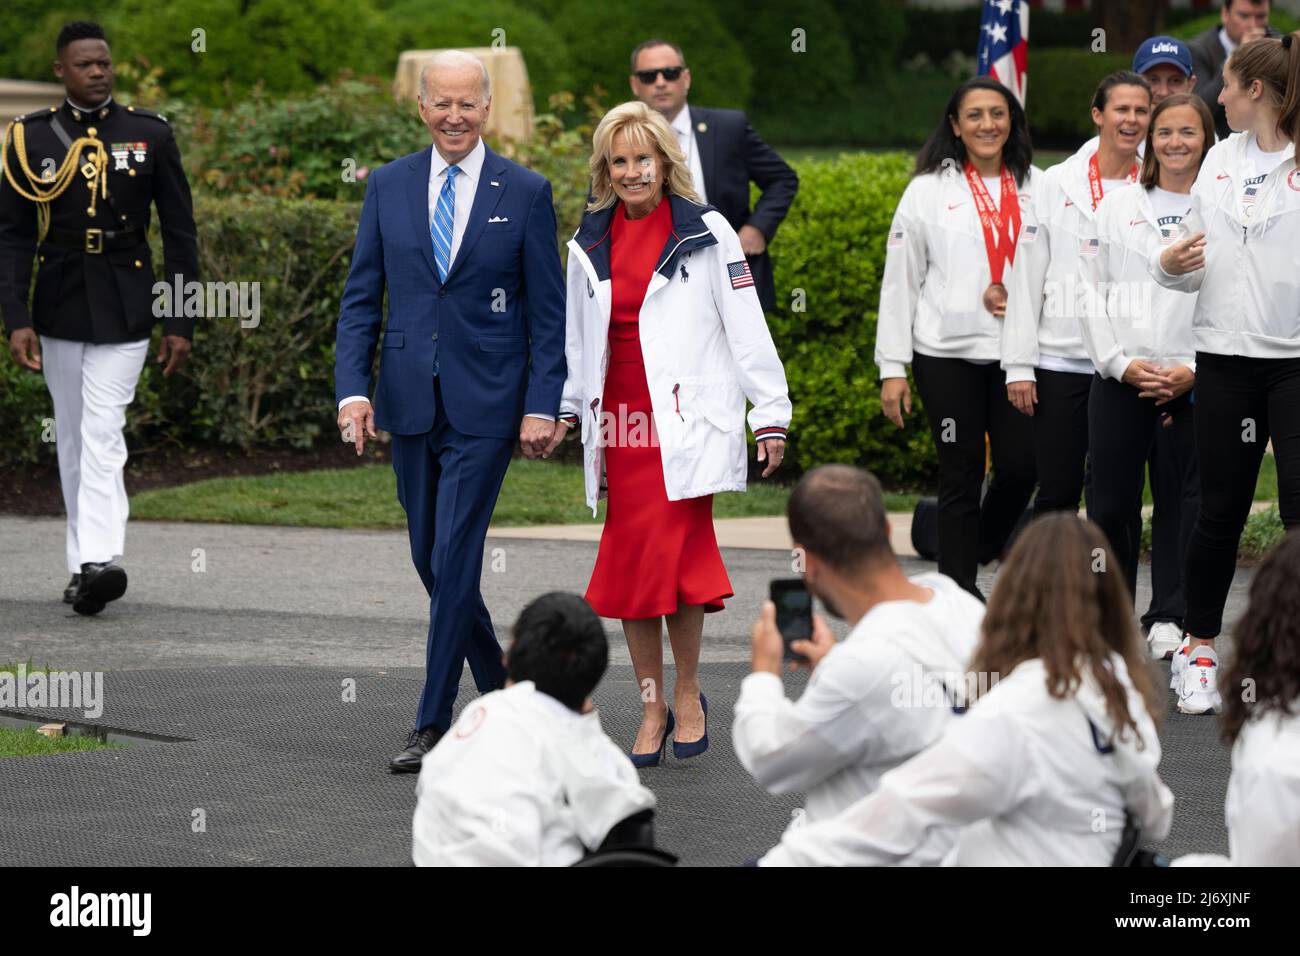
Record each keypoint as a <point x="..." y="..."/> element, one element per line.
<point x="499" y="219"/>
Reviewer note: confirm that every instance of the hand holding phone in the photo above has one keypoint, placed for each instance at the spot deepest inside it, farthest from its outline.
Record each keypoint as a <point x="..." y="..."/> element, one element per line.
<point x="793" y="613"/>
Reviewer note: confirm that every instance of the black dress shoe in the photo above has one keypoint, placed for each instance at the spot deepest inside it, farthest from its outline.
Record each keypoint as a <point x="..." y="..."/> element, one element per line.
<point x="70" y="592"/>
<point x="101" y="582"/>
<point x="419" y="743"/>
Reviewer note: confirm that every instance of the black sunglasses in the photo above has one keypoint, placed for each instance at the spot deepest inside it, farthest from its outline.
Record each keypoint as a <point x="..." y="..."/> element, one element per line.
<point x="671" y="74"/>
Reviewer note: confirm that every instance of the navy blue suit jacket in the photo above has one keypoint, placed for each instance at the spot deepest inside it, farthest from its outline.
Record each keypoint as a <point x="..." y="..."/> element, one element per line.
<point x="496" y="326"/>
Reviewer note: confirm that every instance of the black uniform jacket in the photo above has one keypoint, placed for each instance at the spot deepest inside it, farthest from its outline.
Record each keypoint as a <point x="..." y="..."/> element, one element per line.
<point x="95" y="273"/>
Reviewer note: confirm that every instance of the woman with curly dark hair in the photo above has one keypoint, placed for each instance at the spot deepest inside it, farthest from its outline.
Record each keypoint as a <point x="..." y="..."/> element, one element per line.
<point x="1261" y="718"/>
<point x="1053" y="757"/>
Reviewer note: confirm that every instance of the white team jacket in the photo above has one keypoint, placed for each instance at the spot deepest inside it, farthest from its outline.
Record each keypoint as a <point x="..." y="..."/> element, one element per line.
<point x="936" y="272"/>
<point x="1249" y="302"/>
<point x="1028" y="779"/>
<point x="1045" y="298"/>
<point x="521" y="780"/>
<point x="1129" y="316"/>
<point x="706" y="347"/>
<point x="875" y="700"/>
<point x="1263" y="805"/>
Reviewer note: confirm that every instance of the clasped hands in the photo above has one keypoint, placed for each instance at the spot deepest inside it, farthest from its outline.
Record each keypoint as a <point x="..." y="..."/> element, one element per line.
<point x="538" y="437"/>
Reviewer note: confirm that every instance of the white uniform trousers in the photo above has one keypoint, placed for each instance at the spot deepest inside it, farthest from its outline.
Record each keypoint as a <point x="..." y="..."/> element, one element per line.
<point x="91" y="386"/>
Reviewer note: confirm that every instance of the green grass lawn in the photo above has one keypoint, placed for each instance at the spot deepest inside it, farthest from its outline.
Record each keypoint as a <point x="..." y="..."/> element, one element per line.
<point x="534" y="493"/>
<point x="28" y="743"/>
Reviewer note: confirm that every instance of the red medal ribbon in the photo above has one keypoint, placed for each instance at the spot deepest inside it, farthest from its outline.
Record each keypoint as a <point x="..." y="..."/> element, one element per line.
<point x="1094" y="180"/>
<point x="1001" y="226"/>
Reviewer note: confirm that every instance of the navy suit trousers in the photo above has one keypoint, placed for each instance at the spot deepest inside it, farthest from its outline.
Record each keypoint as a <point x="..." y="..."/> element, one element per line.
<point x="448" y="483"/>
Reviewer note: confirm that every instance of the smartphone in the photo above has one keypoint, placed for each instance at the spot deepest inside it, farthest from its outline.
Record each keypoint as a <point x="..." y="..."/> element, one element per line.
<point x="793" y="613"/>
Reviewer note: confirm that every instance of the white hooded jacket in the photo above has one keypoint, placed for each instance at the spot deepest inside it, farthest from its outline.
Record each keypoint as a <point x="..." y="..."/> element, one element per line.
<point x="521" y="780"/>
<point x="936" y="272"/>
<point x="1249" y="302"/>
<point x="706" y="347"/>
<point x="868" y="706"/>
<point x="1045" y="295"/>
<point x="1027" y="779"/>
<point x="1129" y="316"/>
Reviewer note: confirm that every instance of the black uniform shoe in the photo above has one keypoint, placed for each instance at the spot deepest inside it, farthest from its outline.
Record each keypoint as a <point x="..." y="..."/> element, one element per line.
<point x="70" y="592"/>
<point x="419" y="743"/>
<point x="100" y="583"/>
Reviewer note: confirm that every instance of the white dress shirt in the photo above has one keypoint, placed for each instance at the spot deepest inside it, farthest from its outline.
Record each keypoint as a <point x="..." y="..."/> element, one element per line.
<point x="471" y="171"/>
<point x="467" y="181"/>
<point x="685" y="131"/>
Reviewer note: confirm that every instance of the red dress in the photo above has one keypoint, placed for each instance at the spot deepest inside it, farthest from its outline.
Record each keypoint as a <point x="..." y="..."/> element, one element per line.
<point x="655" y="554"/>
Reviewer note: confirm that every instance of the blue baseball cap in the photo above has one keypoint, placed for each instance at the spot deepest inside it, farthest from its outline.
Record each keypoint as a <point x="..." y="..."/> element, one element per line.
<point x="1163" y="50"/>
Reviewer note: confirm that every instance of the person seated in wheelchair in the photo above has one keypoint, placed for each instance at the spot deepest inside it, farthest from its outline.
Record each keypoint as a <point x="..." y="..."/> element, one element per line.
<point x="526" y="776"/>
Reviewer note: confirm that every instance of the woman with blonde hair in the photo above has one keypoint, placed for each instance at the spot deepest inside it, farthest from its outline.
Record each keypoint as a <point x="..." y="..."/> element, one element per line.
<point x="665" y="341"/>
<point x="1054" y="758"/>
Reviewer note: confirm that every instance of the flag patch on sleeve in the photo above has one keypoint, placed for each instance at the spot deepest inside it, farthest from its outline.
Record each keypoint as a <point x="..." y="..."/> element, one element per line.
<point x="1090" y="247"/>
<point x="895" y="239"/>
<point x="740" y="275"/>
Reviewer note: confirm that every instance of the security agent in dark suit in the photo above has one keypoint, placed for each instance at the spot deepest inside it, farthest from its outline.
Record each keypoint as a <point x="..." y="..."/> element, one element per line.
<point x="1241" y="22"/>
<point x="725" y="155"/>
<point x="77" y="184"/>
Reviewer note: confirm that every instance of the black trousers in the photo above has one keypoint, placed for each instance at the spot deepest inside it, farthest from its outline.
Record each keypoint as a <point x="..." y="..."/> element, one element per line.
<point x="1061" y="439"/>
<point x="964" y="401"/>
<point x="1240" y="404"/>
<point x="1122" y="433"/>
<point x="1175" y="477"/>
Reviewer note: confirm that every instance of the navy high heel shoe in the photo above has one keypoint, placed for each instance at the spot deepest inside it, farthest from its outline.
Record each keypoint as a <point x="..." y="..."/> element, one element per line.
<point x="695" y="747"/>
<point x="642" y="761"/>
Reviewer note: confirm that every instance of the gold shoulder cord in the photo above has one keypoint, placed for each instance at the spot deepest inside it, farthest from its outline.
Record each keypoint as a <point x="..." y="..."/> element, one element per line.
<point x="43" y="192"/>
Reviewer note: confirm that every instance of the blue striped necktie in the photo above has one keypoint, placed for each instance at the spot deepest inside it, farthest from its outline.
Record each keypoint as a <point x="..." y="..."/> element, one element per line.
<point x="444" y="219"/>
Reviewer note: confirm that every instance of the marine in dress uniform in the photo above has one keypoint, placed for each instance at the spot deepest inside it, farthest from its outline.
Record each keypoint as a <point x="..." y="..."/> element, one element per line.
<point x="75" y="197"/>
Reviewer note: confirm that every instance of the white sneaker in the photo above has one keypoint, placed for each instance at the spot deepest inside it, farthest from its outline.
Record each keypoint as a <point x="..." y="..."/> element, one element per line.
<point x="1178" y="665"/>
<point x="1164" y="638"/>
<point x="1199" y="692"/>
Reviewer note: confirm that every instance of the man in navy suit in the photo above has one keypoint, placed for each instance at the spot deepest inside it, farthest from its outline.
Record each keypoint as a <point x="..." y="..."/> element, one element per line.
<point x="473" y="355"/>
<point x="725" y="155"/>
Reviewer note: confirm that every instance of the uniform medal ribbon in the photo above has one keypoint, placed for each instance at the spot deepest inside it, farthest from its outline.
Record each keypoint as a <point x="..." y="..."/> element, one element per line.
<point x="1094" y="179"/>
<point x="1001" y="225"/>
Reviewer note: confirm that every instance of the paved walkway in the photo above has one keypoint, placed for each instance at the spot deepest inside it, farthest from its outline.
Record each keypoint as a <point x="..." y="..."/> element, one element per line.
<point x="237" y="638"/>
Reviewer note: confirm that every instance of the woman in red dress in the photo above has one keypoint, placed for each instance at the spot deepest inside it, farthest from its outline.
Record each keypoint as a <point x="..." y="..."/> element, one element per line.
<point x="658" y="558"/>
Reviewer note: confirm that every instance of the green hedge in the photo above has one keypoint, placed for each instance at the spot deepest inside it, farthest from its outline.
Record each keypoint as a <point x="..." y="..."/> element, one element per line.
<point x="832" y="247"/>
<point x="1279" y="19"/>
<point x="272" y="384"/>
<point x="1061" y="85"/>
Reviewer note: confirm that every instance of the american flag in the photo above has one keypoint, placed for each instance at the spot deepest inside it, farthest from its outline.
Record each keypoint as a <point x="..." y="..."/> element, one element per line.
<point x="740" y="275"/>
<point x="1004" y="44"/>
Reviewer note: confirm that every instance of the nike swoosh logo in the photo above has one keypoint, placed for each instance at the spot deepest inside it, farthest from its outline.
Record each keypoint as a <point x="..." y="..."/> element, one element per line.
<point x="951" y="208"/>
<point x="1135" y="222"/>
<point x="1069" y="202"/>
<point x="1221" y="176"/>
